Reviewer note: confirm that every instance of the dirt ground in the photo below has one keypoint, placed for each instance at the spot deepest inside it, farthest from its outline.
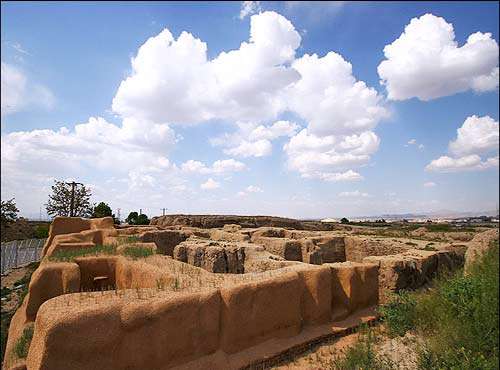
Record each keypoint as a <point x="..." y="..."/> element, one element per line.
<point x="9" y="301"/>
<point x="321" y="356"/>
<point x="401" y="352"/>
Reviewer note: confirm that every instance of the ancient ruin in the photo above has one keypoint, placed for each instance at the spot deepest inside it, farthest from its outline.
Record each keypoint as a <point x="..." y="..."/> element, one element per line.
<point x="209" y="293"/>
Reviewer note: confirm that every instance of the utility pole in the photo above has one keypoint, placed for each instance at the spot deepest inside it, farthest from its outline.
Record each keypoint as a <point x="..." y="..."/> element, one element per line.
<point x="163" y="210"/>
<point x="72" y="204"/>
<point x="118" y="214"/>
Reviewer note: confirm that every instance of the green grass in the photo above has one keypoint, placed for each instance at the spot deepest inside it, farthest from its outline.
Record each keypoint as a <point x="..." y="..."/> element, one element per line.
<point x="457" y="317"/>
<point x="362" y="356"/>
<point x="23" y="343"/>
<point x="129" y="239"/>
<point x="69" y="255"/>
<point x="138" y="252"/>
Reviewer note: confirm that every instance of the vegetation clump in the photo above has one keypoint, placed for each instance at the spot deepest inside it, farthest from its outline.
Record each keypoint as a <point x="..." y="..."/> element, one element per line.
<point x="23" y="343"/>
<point x="458" y="317"/>
<point x="362" y="355"/>
<point x="138" y="252"/>
<point x="69" y="255"/>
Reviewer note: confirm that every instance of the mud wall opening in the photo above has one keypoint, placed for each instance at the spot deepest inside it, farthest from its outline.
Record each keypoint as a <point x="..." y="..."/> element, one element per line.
<point x="97" y="273"/>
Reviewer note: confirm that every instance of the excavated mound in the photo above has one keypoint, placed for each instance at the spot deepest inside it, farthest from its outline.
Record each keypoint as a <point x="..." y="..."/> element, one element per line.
<point x="159" y="297"/>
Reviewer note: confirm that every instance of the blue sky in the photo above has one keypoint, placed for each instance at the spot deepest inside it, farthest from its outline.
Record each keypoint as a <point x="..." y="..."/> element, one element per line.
<point x="265" y="129"/>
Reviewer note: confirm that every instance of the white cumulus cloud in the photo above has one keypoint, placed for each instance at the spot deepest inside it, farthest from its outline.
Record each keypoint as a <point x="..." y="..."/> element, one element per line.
<point x="19" y="93"/>
<point x="174" y="82"/>
<point x="426" y="61"/>
<point x="218" y="167"/>
<point x="471" y="162"/>
<point x="210" y="184"/>
<point x="477" y="136"/>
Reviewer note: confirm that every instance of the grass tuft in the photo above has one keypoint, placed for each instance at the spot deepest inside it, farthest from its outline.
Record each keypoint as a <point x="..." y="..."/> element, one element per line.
<point x="69" y="255"/>
<point x="362" y="356"/>
<point x="23" y="343"/>
<point x="138" y="252"/>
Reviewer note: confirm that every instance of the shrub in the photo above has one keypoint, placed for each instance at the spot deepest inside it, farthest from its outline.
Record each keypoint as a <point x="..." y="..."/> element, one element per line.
<point x="399" y="313"/>
<point x="23" y="343"/>
<point x="458" y="317"/>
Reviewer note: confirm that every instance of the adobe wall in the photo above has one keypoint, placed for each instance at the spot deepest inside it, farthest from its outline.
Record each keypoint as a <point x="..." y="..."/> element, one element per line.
<point x="163" y="313"/>
<point x="169" y="329"/>
<point x="413" y="269"/>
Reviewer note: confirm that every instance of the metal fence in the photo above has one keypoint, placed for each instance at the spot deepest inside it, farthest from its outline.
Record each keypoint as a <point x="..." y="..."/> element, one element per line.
<point x="20" y="252"/>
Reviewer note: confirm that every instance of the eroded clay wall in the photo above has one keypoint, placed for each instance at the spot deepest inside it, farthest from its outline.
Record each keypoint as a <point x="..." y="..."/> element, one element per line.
<point x="159" y="332"/>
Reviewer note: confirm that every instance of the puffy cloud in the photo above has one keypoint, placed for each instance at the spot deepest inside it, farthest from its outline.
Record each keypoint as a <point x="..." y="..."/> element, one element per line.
<point x="478" y="135"/>
<point x="251" y="140"/>
<point x="315" y="157"/>
<point x="349" y="175"/>
<point x="218" y="167"/>
<point x="19" y="93"/>
<point x="259" y="148"/>
<point x="96" y="144"/>
<point x="429" y="184"/>
<point x="253" y="189"/>
<point x="328" y="96"/>
<point x="276" y="130"/>
<point x="250" y="189"/>
<point x="251" y="86"/>
<point x="243" y="84"/>
<point x="210" y="184"/>
<point x="467" y="163"/>
<point x="426" y="61"/>
<point x="249" y="7"/>
<point x="353" y="194"/>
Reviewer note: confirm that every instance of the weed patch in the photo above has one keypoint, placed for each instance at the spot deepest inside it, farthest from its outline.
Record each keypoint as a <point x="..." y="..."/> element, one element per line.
<point x="138" y="252"/>
<point x="69" y="255"/>
<point x="23" y="343"/>
<point x="362" y="356"/>
<point x="458" y="317"/>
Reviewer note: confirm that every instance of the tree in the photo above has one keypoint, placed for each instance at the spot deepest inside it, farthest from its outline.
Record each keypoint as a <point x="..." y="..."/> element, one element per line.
<point x="102" y="210"/>
<point x="344" y="220"/>
<point x="59" y="203"/>
<point x="8" y="211"/>
<point x="134" y="218"/>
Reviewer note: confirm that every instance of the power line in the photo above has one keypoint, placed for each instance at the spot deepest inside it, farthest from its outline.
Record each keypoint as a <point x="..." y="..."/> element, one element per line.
<point x="72" y="204"/>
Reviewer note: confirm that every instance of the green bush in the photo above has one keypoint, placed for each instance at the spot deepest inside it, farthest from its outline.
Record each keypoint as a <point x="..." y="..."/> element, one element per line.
<point x="399" y="313"/>
<point x="42" y="231"/>
<point x="23" y="343"/>
<point x="458" y="317"/>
